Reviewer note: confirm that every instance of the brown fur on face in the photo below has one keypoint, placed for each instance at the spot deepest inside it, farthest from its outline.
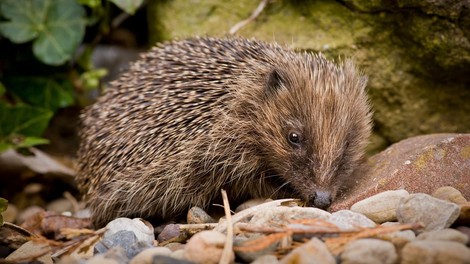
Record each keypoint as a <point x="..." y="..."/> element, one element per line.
<point x="192" y="117"/>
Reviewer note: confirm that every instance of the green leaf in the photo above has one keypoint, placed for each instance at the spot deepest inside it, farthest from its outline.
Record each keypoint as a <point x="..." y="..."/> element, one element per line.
<point x="129" y="6"/>
<point x="31" y="141"/>
<point x="45" y="92"/>
<point x="2" y="89"/>
<point x="22" y="120"/>
<point x="90" y="3"/>
<point x="26" y="19"/>
<point x="58" y="27"/>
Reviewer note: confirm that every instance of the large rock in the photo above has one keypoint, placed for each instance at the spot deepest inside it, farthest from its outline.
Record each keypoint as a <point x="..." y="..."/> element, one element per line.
<point x="419" y="165"/>
<point x="416" y="53"/>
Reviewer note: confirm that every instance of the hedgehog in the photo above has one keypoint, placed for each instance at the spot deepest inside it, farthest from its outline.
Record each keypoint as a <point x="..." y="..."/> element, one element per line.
<point x="195" y="116"/>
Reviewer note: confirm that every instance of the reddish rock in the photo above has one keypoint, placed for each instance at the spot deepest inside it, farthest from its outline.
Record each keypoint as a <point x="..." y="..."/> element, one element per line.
<point x="419" y="165"/>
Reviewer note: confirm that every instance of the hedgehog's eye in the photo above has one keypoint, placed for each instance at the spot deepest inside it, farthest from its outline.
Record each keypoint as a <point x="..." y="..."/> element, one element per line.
<point x="294" y="138"/>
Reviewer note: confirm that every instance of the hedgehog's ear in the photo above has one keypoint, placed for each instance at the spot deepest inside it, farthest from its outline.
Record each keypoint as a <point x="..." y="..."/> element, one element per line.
<point x="275" y="81"/>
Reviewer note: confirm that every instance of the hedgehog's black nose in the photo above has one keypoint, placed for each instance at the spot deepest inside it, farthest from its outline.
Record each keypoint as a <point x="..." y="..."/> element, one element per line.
<point x="322" y="199"/>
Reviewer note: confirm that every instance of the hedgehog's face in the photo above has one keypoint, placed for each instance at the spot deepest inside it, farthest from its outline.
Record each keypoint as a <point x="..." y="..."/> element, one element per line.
<point x="314" y="133"/>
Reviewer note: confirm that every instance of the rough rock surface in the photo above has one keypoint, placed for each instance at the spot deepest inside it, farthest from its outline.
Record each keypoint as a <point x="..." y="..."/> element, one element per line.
<point x="419" y="165"/>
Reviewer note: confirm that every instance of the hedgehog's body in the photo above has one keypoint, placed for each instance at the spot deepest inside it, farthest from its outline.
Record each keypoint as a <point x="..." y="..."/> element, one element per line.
<point x="195" y="116"/>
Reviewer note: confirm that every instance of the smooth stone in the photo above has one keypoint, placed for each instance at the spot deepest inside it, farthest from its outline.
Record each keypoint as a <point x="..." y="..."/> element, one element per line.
<point x="313" y="251"/>
<point x="174" y="246"/>
<point x="435" y="252"/>
<point x="206" y="247"/>
<point x="250" y="203"/>
<point x="369" y="251"/>
<point x="450" y="194"/>
<point x="466" y="231"/>
<point x="266" y="259"/>
<point x="178" y="254"/>
<point x="116" y="255"/>
<point x="347" y="220"/>
<point x="433" y="213"/>
<point x="198" y="216"/>
<point x="282" y="214"/>
<point x="170" y="231"/>
<point x="60" y="205"/>
<point x="250" y="256"/>
<point x="447" y="234"/>
<point x="398" y="238"/>
<point x="142" y="229"/>
<point x="381" y="207"/>
<point x="146" y="256"/>
<point x="124" y="239"/>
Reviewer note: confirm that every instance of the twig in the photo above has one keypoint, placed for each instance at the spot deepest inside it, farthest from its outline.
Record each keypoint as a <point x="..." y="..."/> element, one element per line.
<point x="249" y="212"/>
<point x="253" y="16"/>
<point x="228" y="247"/>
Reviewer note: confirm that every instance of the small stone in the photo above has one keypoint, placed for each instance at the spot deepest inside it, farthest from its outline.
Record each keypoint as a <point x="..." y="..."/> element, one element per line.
<point x="381" y="207"/>
<point x="198" y="216"/>
<point x="170" y="231"/>
<point x="447" y="234"/>
<point x="115" y="255"/>
<point x="29" y="249"/>
<point x="466" y="231"/>
<point x="124" y="239"/>
<point x="250" y="256"/>
<point x="449" y="194"/>
<point x="282" y="214"/>
<point x="141" y="228"/>
<point x="146" y="256"/>
<point x="250" y="203"/>
<point x="398" y="238"/>
<point x="314" y="251"/>
<point x="206" y="247"/>
<point x="178" y="254"/>
<point x="10" y="214"/>
<point x="28" y="213"/>
<point x="369" y="251"/>
<point x="60" y="205"/>
<point x="347" y="220"/>
<point x="423" y="208"/>
<point x="435" y="252"/>
<point x="174" y="246"/>
<point x="266" y="259"/>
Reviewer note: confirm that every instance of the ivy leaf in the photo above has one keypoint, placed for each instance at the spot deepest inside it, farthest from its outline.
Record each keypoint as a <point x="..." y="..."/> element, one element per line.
<point x="45" y="92"/>
<point x="129" y="6"/>
<point x="58" y="26"/>
<point x="22" y="120"/>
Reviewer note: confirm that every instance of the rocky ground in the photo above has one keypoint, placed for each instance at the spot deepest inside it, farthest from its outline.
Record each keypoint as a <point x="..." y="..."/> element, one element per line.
<point x="402" y="209"/>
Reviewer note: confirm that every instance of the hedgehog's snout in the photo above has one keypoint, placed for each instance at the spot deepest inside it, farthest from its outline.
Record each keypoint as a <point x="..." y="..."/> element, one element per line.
<point x="322" y="199"/>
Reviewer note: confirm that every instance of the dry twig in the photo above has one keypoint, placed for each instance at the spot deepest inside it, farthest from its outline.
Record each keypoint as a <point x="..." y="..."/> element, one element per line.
<point x="228" y="247"/>
<point x="253" y="16"/>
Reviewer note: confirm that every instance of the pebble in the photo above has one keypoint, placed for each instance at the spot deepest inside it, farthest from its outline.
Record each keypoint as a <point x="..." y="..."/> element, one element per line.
<point x="369" y="251"/>
<point x="381" y="207"/>
<point x="266" y="259"/>
<point x="127" y="240"/>
<point x="313" y="251"/>
<point x="446" y="234"/>
<point x="178" y="254"/>
<point x="198" y="216"/>
<point x="146" y="256"/>
<point x="464" y="217"/>
<point x="60" y="205"/>
<point x="435" y="252"/>
<point x="449" y="194"/>
<point x="170" y="231"/>
<point x="250" y="203"/>
<point x="466" y="231"/>
<point x="423" y="208"/>
<point x="174" y="246"/>
<point x="348" y="220"/>
<point x="282" y="215"/>
<point x="206" y="247"/>
<point x="141" y="228"/>
<point x="398" y="238"/>
<point x="250" y="256"/>
<point x="115" y="255"/>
